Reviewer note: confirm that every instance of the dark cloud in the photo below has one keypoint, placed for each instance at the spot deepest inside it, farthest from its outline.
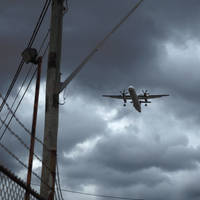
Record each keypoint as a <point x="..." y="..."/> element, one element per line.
<point x="127" y="153"/>
<point x="191" y="190"/>
<point x="101" y="144"/>
<point x="87" y="124"/>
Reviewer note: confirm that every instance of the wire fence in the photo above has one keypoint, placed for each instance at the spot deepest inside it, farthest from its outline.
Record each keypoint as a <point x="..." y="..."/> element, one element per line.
<point x="13" y="188"/>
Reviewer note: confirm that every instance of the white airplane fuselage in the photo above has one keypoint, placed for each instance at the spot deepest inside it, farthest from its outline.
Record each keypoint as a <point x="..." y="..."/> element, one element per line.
<point x="134" y="98"/>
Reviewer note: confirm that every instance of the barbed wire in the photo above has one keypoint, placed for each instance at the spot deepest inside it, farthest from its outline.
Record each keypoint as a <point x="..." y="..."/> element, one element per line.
<point x="3" y="99"/>
<point x="36" y="156"/>
<point x="13" y="113"/>
<point x="24" y="165"/>
<point x="20" y="123"/>
<point x="18" y="104"/>
<point x="26" y="146"/>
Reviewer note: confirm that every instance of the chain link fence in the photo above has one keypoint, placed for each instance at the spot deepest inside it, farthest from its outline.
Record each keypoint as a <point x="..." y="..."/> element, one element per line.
<point x="12" y="188"/>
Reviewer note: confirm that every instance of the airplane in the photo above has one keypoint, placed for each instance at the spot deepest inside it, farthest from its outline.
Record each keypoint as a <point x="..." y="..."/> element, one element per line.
<point x="137" y="100"/>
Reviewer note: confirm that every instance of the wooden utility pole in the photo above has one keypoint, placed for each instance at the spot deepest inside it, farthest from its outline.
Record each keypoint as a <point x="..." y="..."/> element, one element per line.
<point x="54" y="87"/>
<point x="52" y="101"/>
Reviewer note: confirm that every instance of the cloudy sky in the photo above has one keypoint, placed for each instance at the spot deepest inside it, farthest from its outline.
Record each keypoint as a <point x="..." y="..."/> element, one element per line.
<point x="103" y="147"/>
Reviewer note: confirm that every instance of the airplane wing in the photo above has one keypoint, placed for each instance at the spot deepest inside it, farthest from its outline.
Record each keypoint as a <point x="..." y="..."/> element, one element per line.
<point x="152" y="96"/>
<point x="117" y="96"/>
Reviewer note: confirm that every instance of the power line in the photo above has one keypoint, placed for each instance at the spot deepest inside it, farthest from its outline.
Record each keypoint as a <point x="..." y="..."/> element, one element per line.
<point x="36" y="156"/>
<point x="26" y="77"/>
<point x="39" y="22"/>
<point x="10" y="109"/>
<point x="4" y="100"/>
<point x="20" y="123"/>
<point x="96" y="195"/>
<point x="23" y="143"/>
<point x="12" y="84"/>
<point x="20" y="162"/>
<point x="58" y="182"/>
<point x="32" y="39"/>
<point x="12" y="154"/>
<point x="29" y="71"/>
<point x="20" y="139"/>
<point x="17" y="105"/>
<point x="98" y="46"/>
<point x="101" y="195"/>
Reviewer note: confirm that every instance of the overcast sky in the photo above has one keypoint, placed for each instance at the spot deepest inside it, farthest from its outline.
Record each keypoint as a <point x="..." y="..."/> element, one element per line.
<point x="103" y="147"/>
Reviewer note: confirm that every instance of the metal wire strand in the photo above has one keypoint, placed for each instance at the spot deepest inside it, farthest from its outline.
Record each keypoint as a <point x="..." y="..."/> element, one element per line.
<point x="26" y="77"/>
<point x="32" y="39"/>
<point x="58" y="182"/>
<point x="18" y="104"/>
<point x="19" y="122"/>
<point x="10" y="109"/>
<point x="24" y="144"/>
<point x="21" y="163"/>
<point x="57" y="195"/>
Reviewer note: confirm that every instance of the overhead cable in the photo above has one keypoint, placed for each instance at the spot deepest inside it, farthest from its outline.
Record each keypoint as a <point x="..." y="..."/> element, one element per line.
<point x="39" y="22"/>
<point x="19" y="122"/>
<point x="25" y="145"/>
<point x="10" y="109"/>
<point x="58" y="182"/>
<point x="96" y="195"/>
<point x="18" y="104"/>
<point x="32" y="39"/>
<point x="25" y="79"/>
<point x="20" y="162"/>
<point x="98" y="46"/>
<point x="101" y="195"/>
<point x="15" y="99"/>
<point x="20" y="139"/>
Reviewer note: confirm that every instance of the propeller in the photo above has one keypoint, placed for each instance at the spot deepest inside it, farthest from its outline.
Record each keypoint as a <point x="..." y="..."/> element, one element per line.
<point x="123" y="94"/>
<point x="145" y="92"/>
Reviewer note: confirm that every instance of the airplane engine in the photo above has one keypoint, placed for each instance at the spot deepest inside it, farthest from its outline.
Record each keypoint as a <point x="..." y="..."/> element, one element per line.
<point x="125" y="101"/>
<point x="123" y="94"/>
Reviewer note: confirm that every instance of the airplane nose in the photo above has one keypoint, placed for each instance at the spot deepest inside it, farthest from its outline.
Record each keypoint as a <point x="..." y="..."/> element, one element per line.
<point x="130" y="87"/>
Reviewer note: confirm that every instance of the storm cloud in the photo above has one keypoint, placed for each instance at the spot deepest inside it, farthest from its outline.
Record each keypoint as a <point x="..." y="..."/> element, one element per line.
<point x="105" y="148"/>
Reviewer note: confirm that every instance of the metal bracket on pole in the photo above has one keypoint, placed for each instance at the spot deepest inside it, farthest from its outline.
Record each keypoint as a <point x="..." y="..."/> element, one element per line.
<point x="60" y="86"/>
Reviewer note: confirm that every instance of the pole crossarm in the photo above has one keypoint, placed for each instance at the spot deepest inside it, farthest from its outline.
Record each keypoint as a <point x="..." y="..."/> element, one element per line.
<point x="98" y="46"/>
